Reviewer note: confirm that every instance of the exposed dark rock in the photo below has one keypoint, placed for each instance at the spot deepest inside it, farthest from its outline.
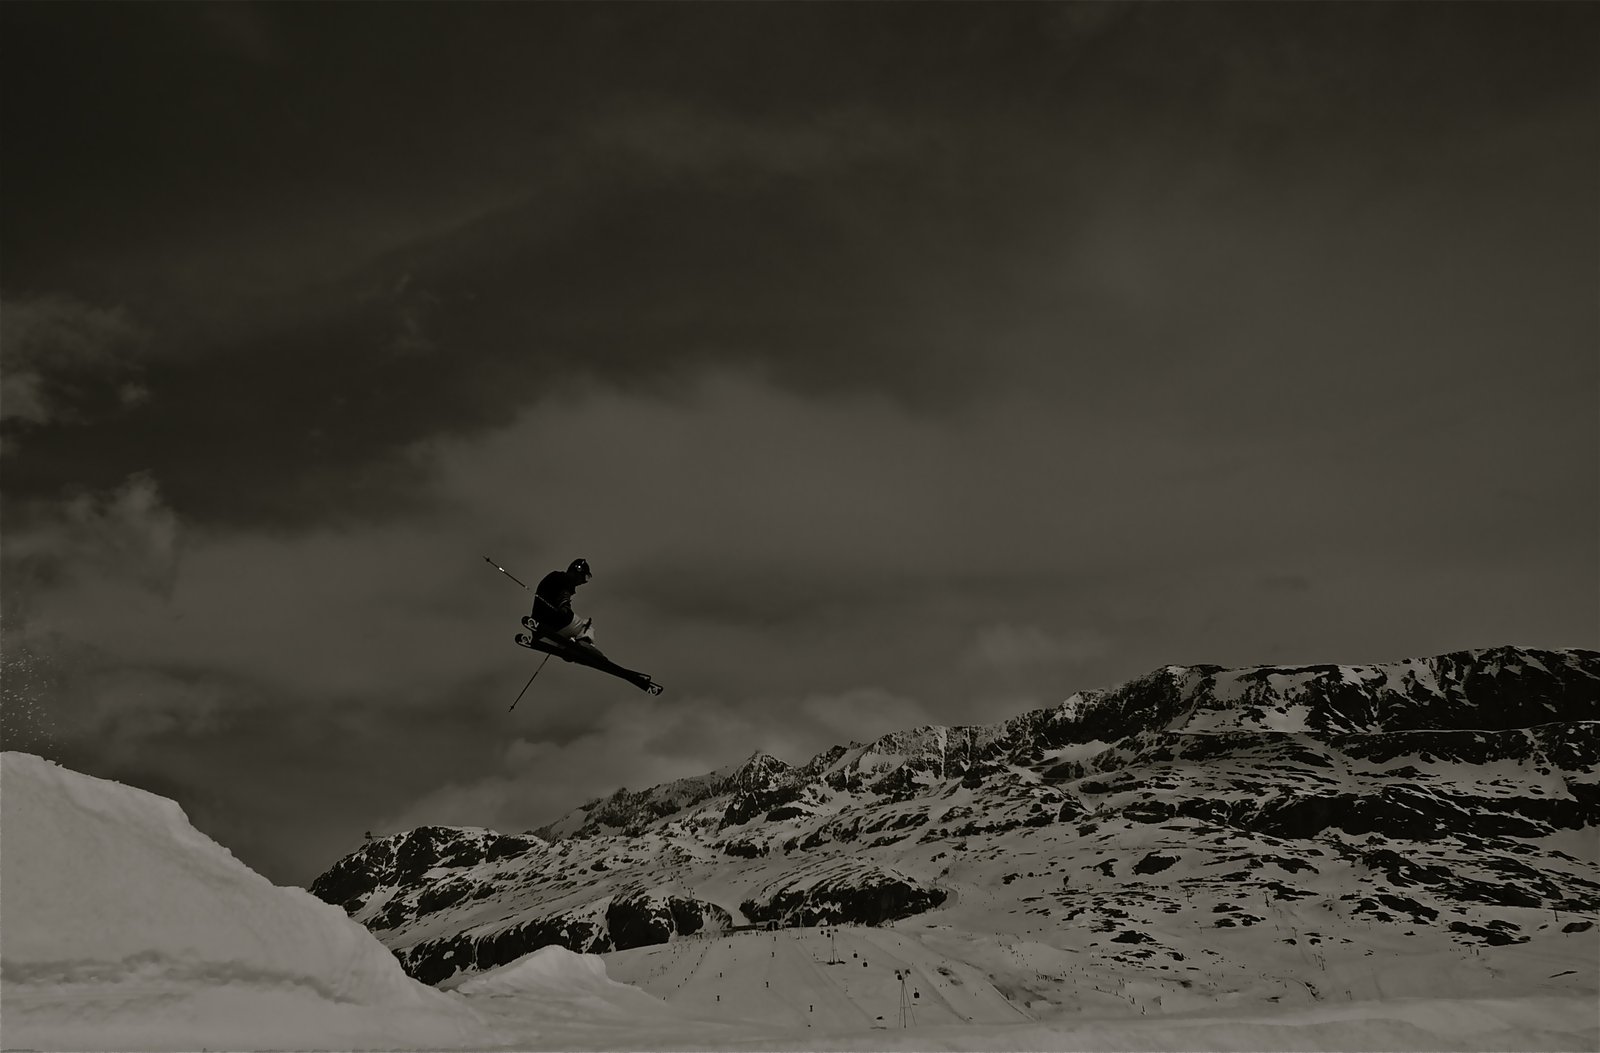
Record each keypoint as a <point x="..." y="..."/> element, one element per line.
<point x="1493" y="936"/>
<point x="1154" y="863"/>
<point x="630" y="921"/>
<point x="440" y="959"/>
<point x="438" y="897"/>
<point x="1155" y="811"/>
<point x="760" y="785"/>
<point x="1405" y="905"/>
<point x="867" y="898"/>
<point x="1402" y="871"/>
<point x="641" y="921"/>
<point x="402" y="860"/>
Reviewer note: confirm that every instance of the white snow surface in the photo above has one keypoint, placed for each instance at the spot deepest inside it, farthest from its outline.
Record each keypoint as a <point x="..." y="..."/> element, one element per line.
<point x="122" y="927"/>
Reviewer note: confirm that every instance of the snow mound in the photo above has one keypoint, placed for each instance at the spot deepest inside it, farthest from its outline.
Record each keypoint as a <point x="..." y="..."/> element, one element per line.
<point x="553" y="972"/>
<point x="122" y="926"/>
<point x="579" y="1006"/>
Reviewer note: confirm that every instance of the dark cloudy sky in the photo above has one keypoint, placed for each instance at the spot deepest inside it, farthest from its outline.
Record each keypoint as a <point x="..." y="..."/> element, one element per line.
<point x="891" y="364"/>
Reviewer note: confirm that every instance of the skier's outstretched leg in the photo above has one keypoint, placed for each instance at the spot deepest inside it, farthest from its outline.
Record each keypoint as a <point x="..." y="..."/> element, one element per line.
<point x="644" y="683"/>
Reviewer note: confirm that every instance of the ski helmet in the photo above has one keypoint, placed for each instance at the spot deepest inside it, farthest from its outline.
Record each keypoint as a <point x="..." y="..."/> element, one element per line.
<point x="581" y="567"/>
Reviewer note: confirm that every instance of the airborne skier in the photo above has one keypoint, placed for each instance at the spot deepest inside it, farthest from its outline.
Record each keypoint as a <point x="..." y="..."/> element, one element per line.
<point x="552" y="603"/>
<point x="556" y="630"/>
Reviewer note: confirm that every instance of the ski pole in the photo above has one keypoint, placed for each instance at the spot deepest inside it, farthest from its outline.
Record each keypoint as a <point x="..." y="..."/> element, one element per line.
<point x="504" y="571"/>
<point x="529" y="684"/>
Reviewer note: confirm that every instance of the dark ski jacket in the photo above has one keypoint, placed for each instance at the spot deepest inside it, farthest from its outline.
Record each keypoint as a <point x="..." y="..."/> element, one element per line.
<point x="552" y="600"/>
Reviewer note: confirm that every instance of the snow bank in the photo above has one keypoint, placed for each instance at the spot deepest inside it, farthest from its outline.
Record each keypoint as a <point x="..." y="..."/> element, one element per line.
<point x="555" y="974"/>
<point x="554" y="999"/>
<point x="123" y="927"/>
<point x="548" y="970"/>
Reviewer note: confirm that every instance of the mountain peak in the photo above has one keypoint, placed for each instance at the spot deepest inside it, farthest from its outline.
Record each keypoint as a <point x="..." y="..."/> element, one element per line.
<point x="760" y="758"/>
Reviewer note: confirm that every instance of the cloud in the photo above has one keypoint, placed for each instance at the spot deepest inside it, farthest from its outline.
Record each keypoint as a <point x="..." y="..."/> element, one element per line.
<point x="634" y="744"/>
<point x="1009" y="647"/>
<point x="117" y="580"/>
<point x="754" y="537"/>
<point x="862" y="714"/>
<point x="1279" y="582"/>
<point x="127" y="539"/>
<point x="691" y="490"/>
<point x="751" y="545"/>
<point x="686" y="139"/>
<point x="637" y="744"/>
<point x="799" y="570"/>
<point x="243" y="31"/>
<point x="130" y="707"/>
<point x="61" y="359"/>
<point x="82" y="575"/>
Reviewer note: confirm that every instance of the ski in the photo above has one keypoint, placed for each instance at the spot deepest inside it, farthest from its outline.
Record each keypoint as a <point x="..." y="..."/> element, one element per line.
<point x="568" y="652"/>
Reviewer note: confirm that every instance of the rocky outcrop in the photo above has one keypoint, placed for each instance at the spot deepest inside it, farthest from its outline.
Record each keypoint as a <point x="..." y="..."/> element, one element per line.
<point x="640" y="919"/>
<point x="868" y="896"/>
<point x="636" y="919"/>
<point x="760" y="785"/>
<point x="435" y="960"/>
<point x="405" y="859"/>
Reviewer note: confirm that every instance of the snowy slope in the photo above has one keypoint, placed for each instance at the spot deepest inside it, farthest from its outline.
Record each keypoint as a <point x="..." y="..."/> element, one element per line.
<point x="121" y="927"/>
<point x="124" y="928"/>
<point x="909" y="987"/>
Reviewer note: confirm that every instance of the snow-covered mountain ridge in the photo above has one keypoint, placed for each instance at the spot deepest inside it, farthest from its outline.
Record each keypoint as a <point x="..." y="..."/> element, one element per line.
<point x="1455" y="785"/>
